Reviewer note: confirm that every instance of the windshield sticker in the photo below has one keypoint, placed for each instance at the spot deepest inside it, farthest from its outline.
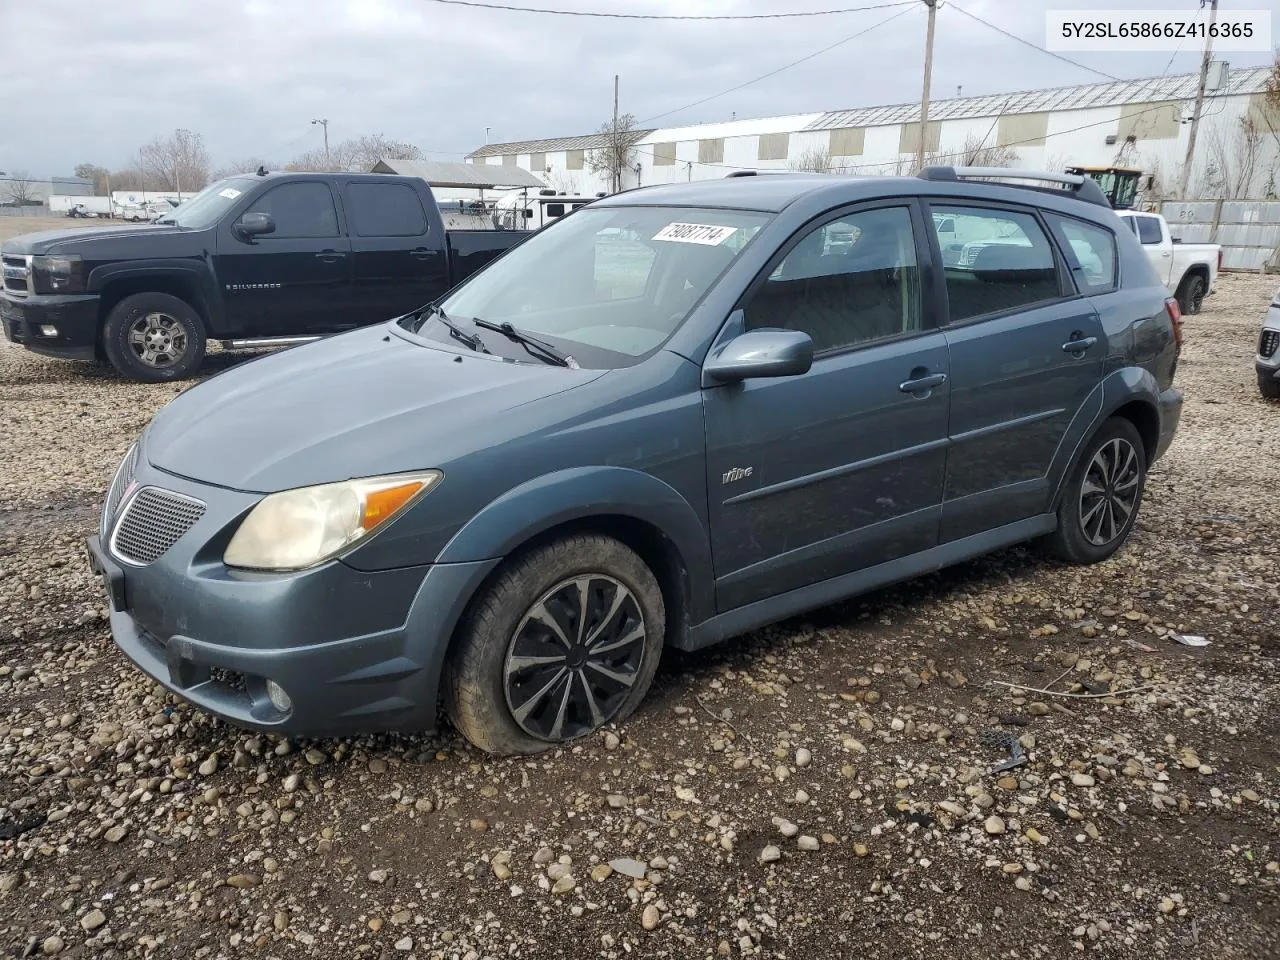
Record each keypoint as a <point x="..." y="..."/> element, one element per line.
<point x="702" y="233"/>
<point x="230" y="193"/>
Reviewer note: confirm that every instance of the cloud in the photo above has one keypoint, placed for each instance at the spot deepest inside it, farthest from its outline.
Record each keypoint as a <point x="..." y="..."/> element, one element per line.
<point x="87" y="81"/>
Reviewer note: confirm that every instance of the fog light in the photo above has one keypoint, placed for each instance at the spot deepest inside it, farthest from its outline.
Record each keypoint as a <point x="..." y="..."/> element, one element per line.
<point x="279" y="699"/>
<point x="48" y="330"/>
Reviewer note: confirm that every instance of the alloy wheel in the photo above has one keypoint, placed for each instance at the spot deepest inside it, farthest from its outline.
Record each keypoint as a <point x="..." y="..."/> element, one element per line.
<point x="574" y="657"/>
<point x="158" y="339"/>
<point x="1109" y="491"/>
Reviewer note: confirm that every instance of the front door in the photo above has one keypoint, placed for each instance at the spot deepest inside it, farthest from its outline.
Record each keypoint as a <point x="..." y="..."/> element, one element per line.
<point x="296" y="280"/>
<point x="1025" y="354"/>
<point x="818" y="475"/>
<point x="397" y="266"/>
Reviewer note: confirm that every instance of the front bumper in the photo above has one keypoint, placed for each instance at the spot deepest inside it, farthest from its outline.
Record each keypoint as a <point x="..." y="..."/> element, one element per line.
<point x="1170" y="414"/>
<point x="356" y="651"/>
<point x="74" y="317"/>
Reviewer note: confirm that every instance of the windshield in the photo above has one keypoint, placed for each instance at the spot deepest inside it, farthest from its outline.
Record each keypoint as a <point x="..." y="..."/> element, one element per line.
<point x="207" y="207"/>
<point x="606" y="285"/>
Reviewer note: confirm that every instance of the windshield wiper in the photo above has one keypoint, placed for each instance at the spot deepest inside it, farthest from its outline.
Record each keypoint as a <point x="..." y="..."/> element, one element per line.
<point x="538" y="348"/>
<point x="470" y="339"/>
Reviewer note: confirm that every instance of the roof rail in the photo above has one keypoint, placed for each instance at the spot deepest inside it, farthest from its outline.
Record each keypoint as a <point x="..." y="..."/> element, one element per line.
<point x="1081" y="187"/>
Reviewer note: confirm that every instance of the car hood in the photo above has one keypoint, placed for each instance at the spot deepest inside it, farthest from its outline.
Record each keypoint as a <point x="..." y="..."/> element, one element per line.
<point x="366" y="403"/>
<point x="86" y="241"/>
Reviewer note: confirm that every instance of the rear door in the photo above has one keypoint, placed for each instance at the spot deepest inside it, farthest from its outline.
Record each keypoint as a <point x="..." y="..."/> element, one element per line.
<point x="398" y="263"/>
<point x="295" y="281"/>
<point x="1025" y="353"/>
<point x="814" y="476"/>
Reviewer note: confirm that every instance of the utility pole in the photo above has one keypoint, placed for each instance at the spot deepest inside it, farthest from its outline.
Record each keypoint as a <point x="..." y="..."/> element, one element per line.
<point x="325" y="124"/>
<point x="928" y="76"/>
<point x="1185" y="177"/>
<point x="618" y="156"/>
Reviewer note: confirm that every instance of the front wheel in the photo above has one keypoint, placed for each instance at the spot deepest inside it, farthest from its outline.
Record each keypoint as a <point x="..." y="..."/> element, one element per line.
<point x="1268" y="385"/>
<point x="1102" y="496"/>
<point x="154" y="338"/>
<point x="565" y="639"/>
<point x="1191" y="293"/>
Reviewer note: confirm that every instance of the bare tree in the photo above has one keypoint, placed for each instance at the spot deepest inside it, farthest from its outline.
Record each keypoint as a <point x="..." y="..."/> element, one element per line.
<point x="131" y="178"/>
<point x="1233" y="160"/>
<point x="20" y="189"/>
<point x="176" y="162"/>
<point x="99" y="175"/>
<point x="976" y="152"/>
<point x="814" y="160"/>
<point x="247" y="165"/>
<point x="618" y="153"/>
<point x="358" y="154"/>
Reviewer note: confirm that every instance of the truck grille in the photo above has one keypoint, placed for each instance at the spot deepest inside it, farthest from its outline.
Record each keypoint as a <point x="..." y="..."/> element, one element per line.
<point x="152" y="522"/>
<point x="119" y="483"/>
<point x="1268" y="343"/>
<point x="17" y="274"/>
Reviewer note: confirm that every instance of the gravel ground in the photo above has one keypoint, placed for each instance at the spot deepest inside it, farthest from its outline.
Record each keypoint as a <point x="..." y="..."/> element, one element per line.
<point x="820" y="788"/>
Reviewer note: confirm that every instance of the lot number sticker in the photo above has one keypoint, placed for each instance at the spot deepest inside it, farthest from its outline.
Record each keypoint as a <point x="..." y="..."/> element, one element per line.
<point x="230" y="193"/>
<point x="695" y="233"/>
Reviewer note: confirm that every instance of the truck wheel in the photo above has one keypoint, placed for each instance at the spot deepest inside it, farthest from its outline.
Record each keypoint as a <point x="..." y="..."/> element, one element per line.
<point x="1191" y="293"/>
<point x="566" y="639"/>
<point x="1102" y="496"/>
<point x="1268" y="385"/>
<point x="154" y="338"/>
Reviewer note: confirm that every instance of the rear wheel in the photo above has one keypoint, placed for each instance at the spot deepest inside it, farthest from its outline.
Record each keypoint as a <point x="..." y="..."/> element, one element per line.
<point x="1268" y="385"/>
<point x="1102" y="496"/>
<point x="154" y="338"/>
<point x="1191" y="293"/>
<point x="566" y="639"/>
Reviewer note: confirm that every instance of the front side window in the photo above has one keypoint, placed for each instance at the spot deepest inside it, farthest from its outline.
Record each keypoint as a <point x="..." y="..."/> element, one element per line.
<point x="847" y="282"/>
<point x="995" y="260"/>
<point x="300" y="210"/>
<point x="608" y="285"/>
<point x="1094" y="250"/>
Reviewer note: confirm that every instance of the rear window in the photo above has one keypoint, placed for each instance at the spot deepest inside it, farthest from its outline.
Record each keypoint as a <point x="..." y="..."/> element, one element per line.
<point x="1147" y="229"/>
<point x="386" y="210"/>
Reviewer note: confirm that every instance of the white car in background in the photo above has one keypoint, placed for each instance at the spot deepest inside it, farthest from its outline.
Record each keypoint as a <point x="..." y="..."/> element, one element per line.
<point x="1268" y="359"/>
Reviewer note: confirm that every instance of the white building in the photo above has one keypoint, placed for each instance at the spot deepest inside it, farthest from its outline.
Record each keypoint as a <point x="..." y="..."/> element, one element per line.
<point x="1138" y="123"/>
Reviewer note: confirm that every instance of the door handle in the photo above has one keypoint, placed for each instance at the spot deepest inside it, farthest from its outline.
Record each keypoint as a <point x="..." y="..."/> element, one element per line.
<point x="420" y="253"/>
<point x="1078" y="344"/>
<point x="922" y="384"/>
<point x="330" y="256"/>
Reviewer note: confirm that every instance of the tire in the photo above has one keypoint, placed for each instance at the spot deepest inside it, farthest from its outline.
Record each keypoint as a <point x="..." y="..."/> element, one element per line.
<point x="154" y="338"/>
<point x="504" y="707"/>
<point x="1107" y="479"/>
<point x="1191" y="293"/>
<point x="1268" y="385"/>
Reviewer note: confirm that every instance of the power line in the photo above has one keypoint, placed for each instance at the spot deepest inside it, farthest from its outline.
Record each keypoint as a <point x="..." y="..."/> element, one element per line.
<point x="603" y="15"/>
<point x="1033" y="46"/>
<point x="764" y="76"/>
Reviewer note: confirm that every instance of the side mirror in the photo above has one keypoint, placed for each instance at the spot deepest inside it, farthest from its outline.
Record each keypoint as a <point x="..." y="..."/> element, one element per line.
<point x="761" y="353"/>
<point x="255" y="225"/>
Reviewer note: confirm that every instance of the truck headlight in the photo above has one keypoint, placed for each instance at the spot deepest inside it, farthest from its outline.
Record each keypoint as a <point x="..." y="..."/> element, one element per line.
<point x="63" y="274"/>
<point x="296" y="529"/>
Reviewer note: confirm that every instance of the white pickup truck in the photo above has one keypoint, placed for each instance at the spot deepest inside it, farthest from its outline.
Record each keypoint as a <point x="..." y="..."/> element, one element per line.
<point x="1188" y="270"/>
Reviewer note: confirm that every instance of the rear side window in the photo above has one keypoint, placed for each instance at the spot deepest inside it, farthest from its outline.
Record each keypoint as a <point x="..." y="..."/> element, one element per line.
<point x="386" y="210"/>
<point x="994" y="260"/>
<point x="1147" y="229"/>
<point x="1092" y="250"/>
<point x="299" y="210"/>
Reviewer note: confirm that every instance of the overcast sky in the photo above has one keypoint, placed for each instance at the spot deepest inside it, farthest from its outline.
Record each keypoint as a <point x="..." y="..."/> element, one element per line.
<point x="89" y="81"/>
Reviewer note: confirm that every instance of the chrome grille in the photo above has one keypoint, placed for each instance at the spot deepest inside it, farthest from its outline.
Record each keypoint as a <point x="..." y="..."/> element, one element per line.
<point x="1268" y="343"/>
<point x="152" y="522"/>
<point x="17" y="274"/>
<point x="119" y="483"/>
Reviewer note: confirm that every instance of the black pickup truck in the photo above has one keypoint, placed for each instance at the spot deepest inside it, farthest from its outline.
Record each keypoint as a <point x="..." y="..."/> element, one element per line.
<point x="266" y="258"/>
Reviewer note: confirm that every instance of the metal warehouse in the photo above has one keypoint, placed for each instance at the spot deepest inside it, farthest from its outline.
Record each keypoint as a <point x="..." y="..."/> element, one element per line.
<point x="1139" y="123"/>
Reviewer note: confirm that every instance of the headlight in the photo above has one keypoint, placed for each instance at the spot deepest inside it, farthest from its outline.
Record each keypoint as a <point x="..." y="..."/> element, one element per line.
<point x="296" y="529"/>
<point x="58" y="274"/>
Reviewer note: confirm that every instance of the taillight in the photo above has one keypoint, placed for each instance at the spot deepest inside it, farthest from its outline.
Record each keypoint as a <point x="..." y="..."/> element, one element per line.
<point x="1175" y="317"/>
